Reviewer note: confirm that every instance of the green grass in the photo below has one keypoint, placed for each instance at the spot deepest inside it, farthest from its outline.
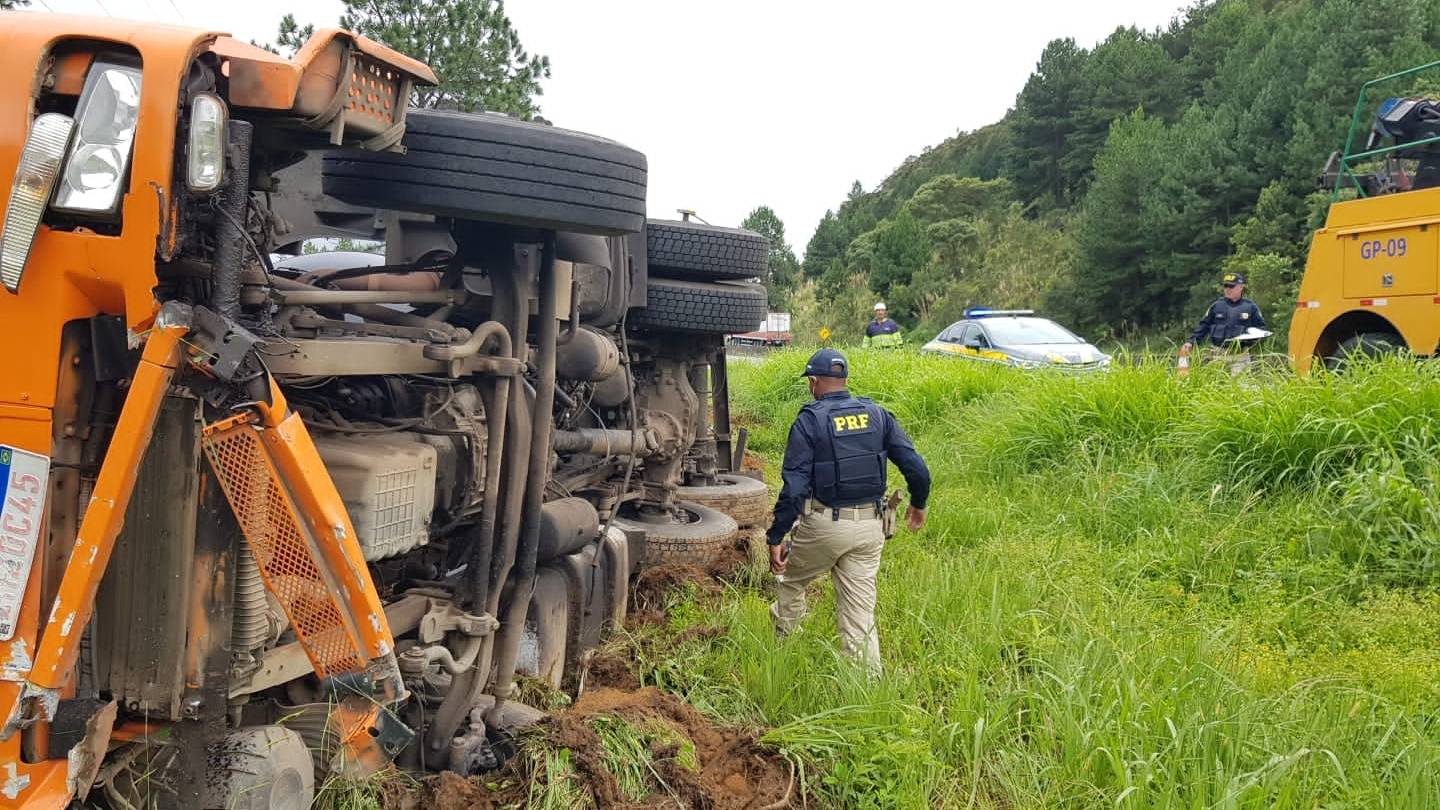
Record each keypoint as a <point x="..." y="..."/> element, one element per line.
<point x="1135" y="591"/>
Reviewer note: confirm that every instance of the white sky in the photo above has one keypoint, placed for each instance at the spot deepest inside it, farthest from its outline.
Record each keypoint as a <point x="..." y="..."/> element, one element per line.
<point x="750" y="102"/>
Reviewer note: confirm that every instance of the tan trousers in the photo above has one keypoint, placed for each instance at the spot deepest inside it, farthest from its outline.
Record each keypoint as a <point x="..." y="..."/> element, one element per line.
<point x="850" y="551"/>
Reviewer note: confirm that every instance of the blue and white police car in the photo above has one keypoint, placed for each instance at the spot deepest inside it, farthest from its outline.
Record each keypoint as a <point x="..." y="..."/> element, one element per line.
<point x="1015" y="337"/>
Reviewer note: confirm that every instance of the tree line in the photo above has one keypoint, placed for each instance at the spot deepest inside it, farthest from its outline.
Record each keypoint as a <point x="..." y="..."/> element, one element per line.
<point x="1126" y="177"/>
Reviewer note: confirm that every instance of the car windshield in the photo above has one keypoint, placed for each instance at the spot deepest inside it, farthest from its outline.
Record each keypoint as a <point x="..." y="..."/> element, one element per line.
<point x="1027" y="331"/>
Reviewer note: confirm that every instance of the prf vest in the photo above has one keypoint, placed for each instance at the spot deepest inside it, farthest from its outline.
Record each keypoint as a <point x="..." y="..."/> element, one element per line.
<point x="849" y="454"/>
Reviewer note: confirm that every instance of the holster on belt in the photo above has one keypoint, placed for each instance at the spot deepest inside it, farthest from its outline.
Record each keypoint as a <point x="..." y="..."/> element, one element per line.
<point x="889" y="514"/>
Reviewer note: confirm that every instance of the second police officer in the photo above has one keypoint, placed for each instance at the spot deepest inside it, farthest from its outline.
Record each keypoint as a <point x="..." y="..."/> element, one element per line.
<point x="1228" y="317"/>
<point x="833" y="485"/>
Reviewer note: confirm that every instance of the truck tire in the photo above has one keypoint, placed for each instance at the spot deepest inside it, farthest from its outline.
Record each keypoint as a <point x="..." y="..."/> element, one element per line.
<point x="743" y="498"/>
<point x="492" y="168"/>
<point x="700" y="307"/>
<point x="705" y="252"/>
<point x="703" y="539"/>
<point x="1368" y="345"/>
<point x="260" y="768"/>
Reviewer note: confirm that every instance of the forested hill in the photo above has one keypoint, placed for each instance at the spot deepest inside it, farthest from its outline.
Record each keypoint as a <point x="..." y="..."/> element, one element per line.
<point x="1126" y="176"/>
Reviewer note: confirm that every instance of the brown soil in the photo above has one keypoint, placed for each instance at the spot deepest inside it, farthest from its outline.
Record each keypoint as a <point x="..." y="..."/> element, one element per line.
<point x="752" y="461"/>
<point x="731" y="567"/>
<point x="654" y="585"/>
<point x="450" y="791"/>
<point x="610" y="668"/>
<point x="735" y="772"/>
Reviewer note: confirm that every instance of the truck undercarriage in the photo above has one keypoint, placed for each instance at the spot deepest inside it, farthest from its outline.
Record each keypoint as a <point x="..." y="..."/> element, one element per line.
<point x="306" y="516"/>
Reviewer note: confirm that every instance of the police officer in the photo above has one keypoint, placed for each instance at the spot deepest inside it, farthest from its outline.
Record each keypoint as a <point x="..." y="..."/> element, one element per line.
<point x="882" y="333"/>
<point x="1229" y="317"/>
<point x="834" y="482"/>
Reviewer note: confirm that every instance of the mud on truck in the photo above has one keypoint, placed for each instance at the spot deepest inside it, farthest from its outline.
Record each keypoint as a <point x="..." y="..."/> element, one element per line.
<point x="272" y="518"/>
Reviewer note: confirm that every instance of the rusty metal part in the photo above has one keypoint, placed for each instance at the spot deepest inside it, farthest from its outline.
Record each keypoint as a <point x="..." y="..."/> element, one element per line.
<point x="363" y="357"/>
<point x="75" y="400"/>
<point x="140" y="629"/>
<point x="513" y="622"/>
<point x="292" y="322"/>
<point x="443" y="619"/>
<point x="731" y="453"/>
<point x="349" y="297"/>
<point x="231" y="241"/>
<point x="514" y="265"/>
<point x="591" y="355"/>
<point x="602" y="442"/>
<point x="289" y="661"/>
<point x="372" y="312"/>
<point x="485" y="332"/>
<point x="341" y="83"/>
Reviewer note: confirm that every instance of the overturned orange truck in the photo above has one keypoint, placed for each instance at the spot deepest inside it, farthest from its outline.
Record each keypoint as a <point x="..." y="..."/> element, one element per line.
<point x="271" y="518"/>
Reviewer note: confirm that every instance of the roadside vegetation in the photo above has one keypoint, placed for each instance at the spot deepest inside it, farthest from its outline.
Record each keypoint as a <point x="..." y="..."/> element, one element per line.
<point x="1127" y="174"/>
<point x="1135" y="590"/>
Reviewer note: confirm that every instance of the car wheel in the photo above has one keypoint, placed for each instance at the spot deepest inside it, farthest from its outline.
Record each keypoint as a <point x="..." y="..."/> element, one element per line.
<point x="1369" y="345"/>
<point x="705" y="252"/>
<point x="697" y="535"/>
<point x="743" y="498"/>
<point x="491" y="168"/>
<point x="700" y="307"/>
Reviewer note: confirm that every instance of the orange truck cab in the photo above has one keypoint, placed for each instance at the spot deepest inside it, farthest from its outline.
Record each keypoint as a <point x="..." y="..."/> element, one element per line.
<point x="1372" y="277"/>
<point x="268" y="518"/>
<point x="112" y="133"/>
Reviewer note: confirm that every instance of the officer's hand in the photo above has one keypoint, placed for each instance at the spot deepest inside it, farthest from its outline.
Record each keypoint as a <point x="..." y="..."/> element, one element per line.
<point x="914" y="518"/>
<point x="778" y="559"/>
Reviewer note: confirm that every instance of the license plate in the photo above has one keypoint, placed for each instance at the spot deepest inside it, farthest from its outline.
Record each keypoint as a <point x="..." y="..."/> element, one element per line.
<point x="23" y="480"/>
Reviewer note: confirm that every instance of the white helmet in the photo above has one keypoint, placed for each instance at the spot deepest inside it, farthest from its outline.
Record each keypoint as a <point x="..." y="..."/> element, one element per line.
<point x="881" y="305"/>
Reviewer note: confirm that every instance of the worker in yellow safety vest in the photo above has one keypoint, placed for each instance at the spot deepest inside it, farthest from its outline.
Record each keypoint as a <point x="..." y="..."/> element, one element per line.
<point x="882" y="333"/>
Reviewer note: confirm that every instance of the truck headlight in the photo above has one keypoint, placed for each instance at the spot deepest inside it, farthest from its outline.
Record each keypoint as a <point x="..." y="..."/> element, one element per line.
<point x="205" y="161"/>
<point x="34" y="180"/>
<point x="105" y="130"/>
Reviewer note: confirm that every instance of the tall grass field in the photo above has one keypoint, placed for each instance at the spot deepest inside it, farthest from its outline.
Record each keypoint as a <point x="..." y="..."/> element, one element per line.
<point x="1135" y="590"/>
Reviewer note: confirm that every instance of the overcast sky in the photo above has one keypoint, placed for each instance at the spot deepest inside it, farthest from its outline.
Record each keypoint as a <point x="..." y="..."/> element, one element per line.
<point x="754" y="102"/>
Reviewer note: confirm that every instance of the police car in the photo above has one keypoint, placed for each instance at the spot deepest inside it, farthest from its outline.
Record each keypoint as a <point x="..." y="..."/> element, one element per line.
<point x="1015" y="337"/>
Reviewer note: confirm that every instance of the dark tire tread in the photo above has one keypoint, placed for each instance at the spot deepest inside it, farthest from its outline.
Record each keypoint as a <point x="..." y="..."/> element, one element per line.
<point x="705" y="252"/>
<point x="744" y="499"/>
<point x="495" y="169"/>
<point x="707" y="308"/>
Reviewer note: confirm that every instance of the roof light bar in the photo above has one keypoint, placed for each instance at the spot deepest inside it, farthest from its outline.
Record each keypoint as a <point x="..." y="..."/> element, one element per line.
<point x="986" y="312"/>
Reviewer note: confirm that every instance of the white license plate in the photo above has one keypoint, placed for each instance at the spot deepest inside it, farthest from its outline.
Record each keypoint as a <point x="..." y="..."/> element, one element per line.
<point x="23" y="480"/>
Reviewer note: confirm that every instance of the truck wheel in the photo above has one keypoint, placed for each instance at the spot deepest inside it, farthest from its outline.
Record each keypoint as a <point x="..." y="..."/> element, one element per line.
<point x="744" y="499"/>
<point x="260" y="768"/>
<point x="496" y="169"/>
<point x="700" y="538"/>
<point x="1369" y="345"/>
<point x="700" y="307"/>
<point x="704" y="252"/>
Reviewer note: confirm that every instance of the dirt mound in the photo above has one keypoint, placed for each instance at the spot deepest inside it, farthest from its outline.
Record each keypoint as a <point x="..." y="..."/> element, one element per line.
<point x="654" y="585"/>
<point x="729" y="770"/>
<point x="610" y="667"/>
<point x="752" y="461"/>
<point x="623" y="746"/>
<point x="451" y="791"/>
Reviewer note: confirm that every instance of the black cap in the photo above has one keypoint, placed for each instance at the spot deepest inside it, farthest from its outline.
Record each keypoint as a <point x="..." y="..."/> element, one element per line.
<point x="827" y="363"/>
<point x="1231" y="279"/>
